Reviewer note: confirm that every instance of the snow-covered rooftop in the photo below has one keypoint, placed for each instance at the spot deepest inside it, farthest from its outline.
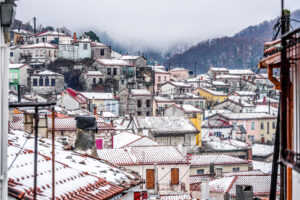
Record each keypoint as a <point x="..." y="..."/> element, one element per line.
<point x="94" y="73"/>
<point x="262" y="150"/>
<point x="140" y="92"/>
<point x="129" y="57"/>
<point x="219" y="83"/>
<point x="245" y="93"/>
<point x="178" y="69"/>
<point x="161" y="71"/>
<point x="124" y="138"/>
<point x="98" y="95"/>
<point x="215" y="93"/>
<point x="113" y="62"/>
<point x="39" y="45"/>
<point x="16" y="66"/>
<point x="162" y="99"/>
<point x="137" y="155"/>
<point x="187" y="108"/>
<point x="47" y="72"/>
<point x="243" y="116"/>
<point x="227" y="76"/>
<point x="198" y="160"/>
<point x="240" y="71"/>
<point x="218" y="69"/>
<point x="165" y="125"/>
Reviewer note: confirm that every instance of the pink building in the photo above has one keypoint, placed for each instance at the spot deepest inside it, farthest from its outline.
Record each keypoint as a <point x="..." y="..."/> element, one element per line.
<point x="179" y="74"/>
<point x="161" y="77"/>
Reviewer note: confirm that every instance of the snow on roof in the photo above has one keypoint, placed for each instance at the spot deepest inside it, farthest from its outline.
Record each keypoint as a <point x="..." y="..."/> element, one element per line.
<point x="63" y="124"/>
<point x="240" y="71"/>
<point x="162" y="99"/>
<point x="218" y="159"/>
<point x="85" y="40"/>
<point x="128" y="57"/>
<point x="176" y="197"/>
<point x="219" y="83"/>
<point x="39" y="45"/>
<point x="165" y="125"/>
<point x="218" y="69"/>
<point x="178" y="69"/>
<point x="243" y="116"/>
<point x="94" y="73"/>
<point x="157" y="67"/>
<point x="98" y="95"/>
<point x="209" y="113"/>
<point x="265" y="167"/>
<point x="216" y="93"/>
<point x="216" y="143"/>
<point x="16" y="66"/>
<point x="113" y="62"/>
<point x="115" y="55"/>
<point x="137" y="155"/>
<point x="47" y="72"/>
<point x="179" y="84"/>
<point x="221" y="184"/>
<point x="240" y="101"/>
<point x="260" y="184"/>
<point x="143" y="141"/>
<point x="189" y="108"/>
<point x="245" y="93"/>
<point x="74" y="160"/>
<point x="265" y="109"/>
<point x="21" y="31"/>
<point x="140" y="92"/>
<point x="124" y="138"/>
<point x="161" y="71"/>
<point x="55" y="33"/>
<point x="227" y="76"/>
<point x="262" y="150"/>
<point x="68" y="180"/>
<point x="99" y="44"/>
<point x="36" y="97"/>
<point x="107" y="114"/>
<point x="187" y="96"/>
<point x="251" y="172"/>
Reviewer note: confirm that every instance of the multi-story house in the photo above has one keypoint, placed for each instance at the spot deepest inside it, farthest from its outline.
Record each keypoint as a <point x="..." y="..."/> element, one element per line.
<point x="215" y="71"/>
<point x="160" y="104"/>
<point x="245" y="74"/>
<point x="235" y="104"/>
<point x="161" y="77"/>
<point x="143" y="101"/>
<point x="18" y="75"/>
<point x="174" y="88"/>
<point x="52" y="37"/>
<point x="179" y="74"/>
<point x="234" y="81"/>
<point x="191" y="99"/>
<point x="212" y="97"/>
<point x="93" y="80"/>
<point x="259" y="127"/>
<point x="100" y="51"/>
<point x="119" y="74"/>
<point x="46" y="82"/>
<point x="14" y="54"/>
<point x="39" y="54"/>
<point x="76" y="51"/>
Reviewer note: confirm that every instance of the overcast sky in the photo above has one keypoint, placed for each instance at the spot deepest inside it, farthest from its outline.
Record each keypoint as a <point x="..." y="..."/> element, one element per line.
<point x="153" y="22"/>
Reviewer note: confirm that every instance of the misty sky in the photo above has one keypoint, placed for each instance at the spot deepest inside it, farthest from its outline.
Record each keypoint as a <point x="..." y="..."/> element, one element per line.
<point x="155" y="23"/>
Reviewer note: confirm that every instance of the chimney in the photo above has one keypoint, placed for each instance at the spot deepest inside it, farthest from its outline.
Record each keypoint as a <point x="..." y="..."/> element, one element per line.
<point x="212" y="168"/>
<point x="265" y="99"/>
<point x="74" y="38"/>
<point x="244" y="192"/>
<point x="95" y="112"/>
<point x="250" y="153"/>
<point x="115" y="95"/>
<point x="111" y="122"/>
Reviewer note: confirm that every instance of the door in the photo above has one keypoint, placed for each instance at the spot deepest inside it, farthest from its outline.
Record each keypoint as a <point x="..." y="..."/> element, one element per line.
<point x="174" y="176"/>
<point x="99" y="143"/>
<point x="150" y="179"/>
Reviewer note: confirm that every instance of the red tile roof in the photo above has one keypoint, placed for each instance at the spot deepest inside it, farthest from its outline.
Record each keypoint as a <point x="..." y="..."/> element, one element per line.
<point x="17" y="123"/>
<point x="70" y="183"/>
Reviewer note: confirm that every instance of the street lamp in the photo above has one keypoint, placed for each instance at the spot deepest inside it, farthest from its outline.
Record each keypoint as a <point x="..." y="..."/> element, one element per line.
<point x="7" y="14"/>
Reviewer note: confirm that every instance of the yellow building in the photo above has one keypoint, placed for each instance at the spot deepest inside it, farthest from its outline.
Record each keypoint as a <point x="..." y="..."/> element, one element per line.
<point x="210" y="95"/>
<point x="196" y="120"/>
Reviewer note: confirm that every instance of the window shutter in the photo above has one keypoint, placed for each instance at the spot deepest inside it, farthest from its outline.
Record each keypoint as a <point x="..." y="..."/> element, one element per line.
<point x="174" y="176"/>
<point x="150" y="179"/>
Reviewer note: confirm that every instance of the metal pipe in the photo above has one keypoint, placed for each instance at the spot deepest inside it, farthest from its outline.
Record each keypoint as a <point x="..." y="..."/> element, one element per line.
<point x="35" y="152"/>
<point x="53" y="153"/>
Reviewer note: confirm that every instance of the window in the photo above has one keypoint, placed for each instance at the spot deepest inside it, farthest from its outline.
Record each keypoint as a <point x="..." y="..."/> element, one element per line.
<point x="218" y="134"/>
<point x="165" y="79"/>
<point x="148" y="113"/>
<point x="115" y="71"/>
<point x="201" y="104"/>
<point x="85" y="46"/>
<point x="36" y="53"/>
<point x="49" y="53"/>
<point x="16" y="75"/>
<point x="100" y="80"/>
<point x="108" y="71"/>
<point x="200" y="171"/>
<point x="113" y="107"/>
<point x="47" y="81"/>
<point x="159" y="78"/>
<point x="11" y="54"/>
<point x="94" y="80"/>
<point x="148" y="103"/>
<point x="122" y="82"/>
<point x="108" y="107"/>
<point x="102" y="52"/>
<point x="150" y="179"/>
<point x="273" y="125"/>
<point x="268" y="127"/>
<point x="41" y="81"/>
<point x="174" y="176"/>
<point x="43" y="39"/>
<point x="52" y="82"/>
<point x="262" y="126"/>
<point x="236" y="169"/>
<point x="252" y="125"/>
<point x="34" y="82"/>
<point x="139" y="103"/>
<point x="234" y="124"/>
<point x="139" y="113"/>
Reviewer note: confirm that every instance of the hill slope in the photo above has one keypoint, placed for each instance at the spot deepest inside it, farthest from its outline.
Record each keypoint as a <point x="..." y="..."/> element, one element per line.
<point x="244" y="49"/>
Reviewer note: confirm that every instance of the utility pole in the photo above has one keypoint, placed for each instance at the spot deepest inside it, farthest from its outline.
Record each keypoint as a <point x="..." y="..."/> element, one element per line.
<point x="34" y="25"/>
<point x="269" y="99"/>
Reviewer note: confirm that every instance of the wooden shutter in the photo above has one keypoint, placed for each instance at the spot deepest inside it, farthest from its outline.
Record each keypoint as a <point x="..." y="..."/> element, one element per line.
<point x="174" y="176"/>
<point x="150" y="179"/>
<point x="136" y="196"/>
